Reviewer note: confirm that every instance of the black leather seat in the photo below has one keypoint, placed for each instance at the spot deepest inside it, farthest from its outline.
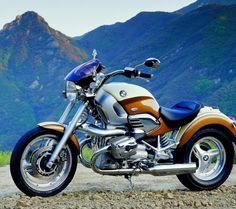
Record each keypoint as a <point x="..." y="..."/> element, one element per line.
<point x="180" y="114"/>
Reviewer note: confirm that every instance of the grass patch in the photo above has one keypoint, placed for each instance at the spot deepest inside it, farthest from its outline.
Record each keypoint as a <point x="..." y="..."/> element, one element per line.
<point x="5" y="158"/>
<point x="235" y="157"/>
<point x="87" y="153"/>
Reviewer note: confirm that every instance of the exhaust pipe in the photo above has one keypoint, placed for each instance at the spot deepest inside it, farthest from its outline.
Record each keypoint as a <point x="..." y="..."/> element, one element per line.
<point x="172" y="169"/>
<point x="159" y="170"/>
<point x="93" y="130"/>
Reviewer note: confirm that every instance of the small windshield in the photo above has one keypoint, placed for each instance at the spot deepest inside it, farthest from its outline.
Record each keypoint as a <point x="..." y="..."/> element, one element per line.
<point x="83" y="71"/>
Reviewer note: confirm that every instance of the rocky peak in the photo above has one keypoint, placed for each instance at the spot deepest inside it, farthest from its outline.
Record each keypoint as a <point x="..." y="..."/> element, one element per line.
<point x="27" y="21"/>
<point x="30" y="17"/>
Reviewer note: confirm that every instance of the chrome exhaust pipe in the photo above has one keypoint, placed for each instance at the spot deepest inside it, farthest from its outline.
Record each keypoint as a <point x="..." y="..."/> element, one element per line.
<point x="158" y="170"/>
<point x="172" y="169"/>
<point x="93" y="130"/>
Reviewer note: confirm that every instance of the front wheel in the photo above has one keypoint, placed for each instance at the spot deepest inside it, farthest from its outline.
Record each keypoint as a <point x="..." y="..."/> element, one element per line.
<point x="29" y="159"/>
<point x="213" y="152"/>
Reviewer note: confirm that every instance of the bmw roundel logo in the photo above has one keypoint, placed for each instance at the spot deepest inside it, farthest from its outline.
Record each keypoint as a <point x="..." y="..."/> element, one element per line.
<point x="123" y="93"/>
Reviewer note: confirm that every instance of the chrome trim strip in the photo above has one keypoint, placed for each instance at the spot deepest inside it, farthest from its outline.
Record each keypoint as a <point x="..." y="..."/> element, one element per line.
<point x="234" y="124"/>
<point x="50" y="123"/>
<point x="101" y="132"/>
<point x="143" y="116"/>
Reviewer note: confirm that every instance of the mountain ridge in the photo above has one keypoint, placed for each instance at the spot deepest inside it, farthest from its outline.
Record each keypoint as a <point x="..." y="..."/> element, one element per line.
<point x="201" y="42"/>
<point x="107" y="34"/>
<point x="200" y="3"/>
<point x="34" y="58"/>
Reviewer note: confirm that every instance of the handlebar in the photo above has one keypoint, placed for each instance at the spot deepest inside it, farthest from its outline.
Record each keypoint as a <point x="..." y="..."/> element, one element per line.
<point x="136" y="73"/>
<point x="129" y="73"/>
<point x="145" y="75"/>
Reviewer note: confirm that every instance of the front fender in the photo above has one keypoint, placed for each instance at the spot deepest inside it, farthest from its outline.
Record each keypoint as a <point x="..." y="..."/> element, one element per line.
<point x="206" y="117"/>
<point x="60" y="128"/>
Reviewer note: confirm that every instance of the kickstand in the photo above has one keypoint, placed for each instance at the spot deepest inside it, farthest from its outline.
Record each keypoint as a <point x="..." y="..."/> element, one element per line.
<point x="128" y="177"/>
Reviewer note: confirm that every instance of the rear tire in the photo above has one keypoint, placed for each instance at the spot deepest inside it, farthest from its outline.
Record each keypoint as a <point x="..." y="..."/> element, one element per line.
<point x="213" y="152"/>
<point x="28" y="163"/>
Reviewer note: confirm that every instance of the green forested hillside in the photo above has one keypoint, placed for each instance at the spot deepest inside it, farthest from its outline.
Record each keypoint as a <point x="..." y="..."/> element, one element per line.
<point x="34" y="59"/>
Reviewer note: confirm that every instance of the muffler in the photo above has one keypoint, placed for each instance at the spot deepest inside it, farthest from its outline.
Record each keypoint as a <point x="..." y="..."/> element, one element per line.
<point x="172" y="169"/>
<point x="158" y="170"/>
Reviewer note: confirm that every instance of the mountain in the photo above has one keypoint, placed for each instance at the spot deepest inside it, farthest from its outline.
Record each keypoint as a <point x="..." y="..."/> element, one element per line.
<point x="197" y="51"/>
<point x="34" y="58"/>
<point x="112" y="41"/>
<point x="200" y="3"/>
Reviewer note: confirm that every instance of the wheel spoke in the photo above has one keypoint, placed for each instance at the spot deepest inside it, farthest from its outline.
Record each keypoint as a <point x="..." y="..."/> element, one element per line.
<point x="27" y="167"/>
<point x="213" y="153"/>
<point x="203" y="166"/>
<point x="198" y="151"/>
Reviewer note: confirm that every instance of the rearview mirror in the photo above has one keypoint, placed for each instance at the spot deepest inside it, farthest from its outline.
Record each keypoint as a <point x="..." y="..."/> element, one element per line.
<point x="152" y="62"/>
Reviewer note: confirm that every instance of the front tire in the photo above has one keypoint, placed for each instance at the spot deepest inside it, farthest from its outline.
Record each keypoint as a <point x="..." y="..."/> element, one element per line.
<point x="29" y="159"/>
<point x="213" y="152"/>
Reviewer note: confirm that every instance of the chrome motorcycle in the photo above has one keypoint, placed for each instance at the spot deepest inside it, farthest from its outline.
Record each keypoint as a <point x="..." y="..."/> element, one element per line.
<point x="125" y="132"/>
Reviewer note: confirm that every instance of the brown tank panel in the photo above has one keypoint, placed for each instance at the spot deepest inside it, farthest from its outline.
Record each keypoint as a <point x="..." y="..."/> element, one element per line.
<point x="162" y="129"/>
<point x="140" y="105"/>
<point x="146" y="105"/>
<point x="214" y="120"/>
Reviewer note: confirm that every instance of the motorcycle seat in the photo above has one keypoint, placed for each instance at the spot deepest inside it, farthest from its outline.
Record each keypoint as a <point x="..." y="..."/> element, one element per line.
<point x="180" y="114"/>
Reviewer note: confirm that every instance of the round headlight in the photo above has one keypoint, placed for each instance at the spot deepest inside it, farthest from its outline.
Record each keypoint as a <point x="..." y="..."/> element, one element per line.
<point x="71" y="90"/>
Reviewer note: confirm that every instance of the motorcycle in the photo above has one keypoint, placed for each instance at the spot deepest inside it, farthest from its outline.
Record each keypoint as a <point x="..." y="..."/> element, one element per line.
<point x="126" y="132"/>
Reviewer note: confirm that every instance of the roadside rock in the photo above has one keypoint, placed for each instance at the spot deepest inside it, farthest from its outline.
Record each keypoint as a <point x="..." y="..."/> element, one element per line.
<point x="224" y="197"/>
<point x="91" y="191"/>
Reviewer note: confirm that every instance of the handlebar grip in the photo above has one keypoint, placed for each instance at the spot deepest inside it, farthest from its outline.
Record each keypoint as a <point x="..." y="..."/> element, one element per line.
<point x="128" y="73"/>
<point x="136" y="73"/>
<point x="145" y="75"/>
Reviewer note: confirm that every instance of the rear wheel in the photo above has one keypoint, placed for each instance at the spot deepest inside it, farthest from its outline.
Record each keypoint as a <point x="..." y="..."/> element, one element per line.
<point x="29" y="159"/>
<point x="213" y="153"/>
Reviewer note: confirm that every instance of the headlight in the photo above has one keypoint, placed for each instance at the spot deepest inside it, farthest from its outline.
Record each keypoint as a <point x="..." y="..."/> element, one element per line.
<point x="71" y="90"/>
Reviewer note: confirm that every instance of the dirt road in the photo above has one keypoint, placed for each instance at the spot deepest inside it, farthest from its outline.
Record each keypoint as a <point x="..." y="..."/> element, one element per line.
<point x="90" y="190"/>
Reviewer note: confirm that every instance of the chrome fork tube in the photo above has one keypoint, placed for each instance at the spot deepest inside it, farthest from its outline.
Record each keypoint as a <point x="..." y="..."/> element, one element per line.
<point x="66" y="112"/>
<point x="68" y="131"/>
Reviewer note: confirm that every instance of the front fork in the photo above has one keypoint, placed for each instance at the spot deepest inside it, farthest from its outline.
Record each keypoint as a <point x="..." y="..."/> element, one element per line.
<point x="66" y="112"/>
<point x="68" y="130"/>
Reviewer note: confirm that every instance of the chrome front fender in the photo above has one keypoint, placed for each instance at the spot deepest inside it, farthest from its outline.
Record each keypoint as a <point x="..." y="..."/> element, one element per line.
<point x="60" y="128"/>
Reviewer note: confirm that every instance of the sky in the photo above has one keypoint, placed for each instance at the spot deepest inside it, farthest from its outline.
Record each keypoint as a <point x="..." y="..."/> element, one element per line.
<point x="76" y="17"/>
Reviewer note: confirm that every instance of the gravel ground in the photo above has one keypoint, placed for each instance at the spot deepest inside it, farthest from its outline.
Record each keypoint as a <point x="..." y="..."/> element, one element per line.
<point x="90" y="190"/>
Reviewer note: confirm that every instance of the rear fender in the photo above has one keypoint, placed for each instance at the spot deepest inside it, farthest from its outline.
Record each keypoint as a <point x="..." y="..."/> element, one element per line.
<point x="207" y="117"/>
<point x="60" y="128"/>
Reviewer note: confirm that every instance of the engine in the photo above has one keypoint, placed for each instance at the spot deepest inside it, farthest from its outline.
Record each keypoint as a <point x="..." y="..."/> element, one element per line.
<point x="124" y="150"/>
<point x="128" y="149"/>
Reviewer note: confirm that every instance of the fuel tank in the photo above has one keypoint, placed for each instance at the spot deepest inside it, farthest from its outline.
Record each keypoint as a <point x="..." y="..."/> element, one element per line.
<point x="134" y="99"/>
<point x="118" y="101"/>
